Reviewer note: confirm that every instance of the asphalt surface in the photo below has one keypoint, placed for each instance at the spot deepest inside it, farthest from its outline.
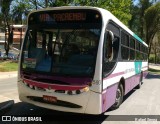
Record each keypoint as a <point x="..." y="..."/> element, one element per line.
<point x="139" y="106"/>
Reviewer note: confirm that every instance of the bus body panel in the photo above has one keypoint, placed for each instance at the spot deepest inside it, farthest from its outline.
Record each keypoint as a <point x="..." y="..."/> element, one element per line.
<point x="85" y="100"/>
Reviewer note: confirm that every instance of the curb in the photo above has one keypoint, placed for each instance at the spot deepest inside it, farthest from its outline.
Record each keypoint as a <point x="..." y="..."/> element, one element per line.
<point x="8" y="74"/>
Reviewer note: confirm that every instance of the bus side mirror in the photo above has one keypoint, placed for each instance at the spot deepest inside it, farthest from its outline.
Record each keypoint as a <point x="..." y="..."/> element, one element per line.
<point x="110" y="40"/>
<point x="111" y="35"/>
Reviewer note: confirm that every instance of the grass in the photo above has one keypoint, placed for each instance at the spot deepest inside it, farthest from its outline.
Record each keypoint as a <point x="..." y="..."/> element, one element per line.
<point x="154" y="71"/>
<point x="6" y="66"/>
<point x="152" y="55"/>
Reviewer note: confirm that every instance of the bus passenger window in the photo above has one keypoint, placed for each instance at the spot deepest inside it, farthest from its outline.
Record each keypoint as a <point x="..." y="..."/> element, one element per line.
<point x="115" y="46"/>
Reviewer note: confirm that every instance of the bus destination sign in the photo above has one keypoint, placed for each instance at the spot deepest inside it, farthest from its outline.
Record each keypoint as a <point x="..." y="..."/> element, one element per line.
<point x="62" y="17"/>
<point x="54" y="18"/>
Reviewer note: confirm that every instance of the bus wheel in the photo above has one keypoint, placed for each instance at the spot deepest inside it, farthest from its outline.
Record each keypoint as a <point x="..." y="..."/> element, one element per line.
<point x="119" y="97"/>
<point x="140" y="81"/>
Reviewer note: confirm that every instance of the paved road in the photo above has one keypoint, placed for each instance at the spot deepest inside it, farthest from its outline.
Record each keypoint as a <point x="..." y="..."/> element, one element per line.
<point x="154" y="66"/>
<point x="8" y="89"/>
<point x="145" y="101"/>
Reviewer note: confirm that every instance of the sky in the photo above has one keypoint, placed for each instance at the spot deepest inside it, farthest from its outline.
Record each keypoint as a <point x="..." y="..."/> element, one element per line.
<point x="136" y="2"/>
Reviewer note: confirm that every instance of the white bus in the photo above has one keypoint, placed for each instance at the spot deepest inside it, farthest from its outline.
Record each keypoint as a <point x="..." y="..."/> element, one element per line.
<point x="79" y="59"/>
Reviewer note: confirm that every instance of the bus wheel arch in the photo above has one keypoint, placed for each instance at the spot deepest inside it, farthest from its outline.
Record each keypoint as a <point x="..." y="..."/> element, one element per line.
<point x="119" y="94"/>
<point x="122" y="81"/>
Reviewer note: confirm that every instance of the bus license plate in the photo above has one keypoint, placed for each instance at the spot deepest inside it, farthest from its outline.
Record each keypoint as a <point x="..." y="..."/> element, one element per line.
<point x="49" y="98"/>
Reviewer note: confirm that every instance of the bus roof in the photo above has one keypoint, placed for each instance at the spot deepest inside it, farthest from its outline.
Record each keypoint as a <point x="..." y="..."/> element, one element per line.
<point x="106" y="16"/>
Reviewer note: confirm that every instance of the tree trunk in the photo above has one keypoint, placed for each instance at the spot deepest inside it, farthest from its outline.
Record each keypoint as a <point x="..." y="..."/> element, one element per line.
<point x="46" y="3"/>
<point x="35" y="3"/>
<point x="155" y="58"/>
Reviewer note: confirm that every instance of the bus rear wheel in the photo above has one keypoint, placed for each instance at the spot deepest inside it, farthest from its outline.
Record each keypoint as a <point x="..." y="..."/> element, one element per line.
<point x="119" y="97"/>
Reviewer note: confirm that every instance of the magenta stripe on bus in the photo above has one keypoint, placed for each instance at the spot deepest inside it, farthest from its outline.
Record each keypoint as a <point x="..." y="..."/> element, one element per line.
<point x="114" y="75"/>
<point x="118" y="74"/>
<point x="53" y="86"/>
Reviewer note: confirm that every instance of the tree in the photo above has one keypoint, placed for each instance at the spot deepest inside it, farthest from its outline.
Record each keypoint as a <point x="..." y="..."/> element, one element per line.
<point x="5" y="8"/>
<point x="120" y="8"/>
<point x="20" y="10"/>
<point x="152" y="23"/>
<point x="48" y="3"/>
<point x="156" y="47"/>
<point x="137" y="22"/>
<point x="144" y="5"/>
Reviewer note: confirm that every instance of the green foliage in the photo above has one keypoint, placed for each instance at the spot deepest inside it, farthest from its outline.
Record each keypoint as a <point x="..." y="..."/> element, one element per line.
<point x="20" y="10"/>
<point x="137" y="21"/>
<point x="6" y="66"/>
<point x="5" y="9"/>
<point x="154" y="71"/>
<point x="151" y="58"/>
<point x="152" y="23"/>
<point x="134" y="22"/>
<point x="120" y="8"/>
<point x="5" y="6"/>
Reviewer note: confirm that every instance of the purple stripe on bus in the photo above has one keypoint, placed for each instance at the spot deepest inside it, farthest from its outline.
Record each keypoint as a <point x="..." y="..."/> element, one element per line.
<point x="115" y="74"/>
<point x="118" y="74"/>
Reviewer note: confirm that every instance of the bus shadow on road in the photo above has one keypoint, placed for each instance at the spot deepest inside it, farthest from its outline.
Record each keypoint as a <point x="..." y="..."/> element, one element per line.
<point x="153" y="76"/>
<point x="48" y="116"/>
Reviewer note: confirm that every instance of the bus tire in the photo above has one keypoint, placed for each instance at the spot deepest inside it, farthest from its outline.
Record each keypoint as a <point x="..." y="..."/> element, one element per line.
<point x="119" y="97"/>
<point x="140" y="81"/>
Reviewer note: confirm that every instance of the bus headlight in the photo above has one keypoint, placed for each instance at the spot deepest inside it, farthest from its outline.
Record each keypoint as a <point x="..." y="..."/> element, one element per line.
<point x="86" y="89"/>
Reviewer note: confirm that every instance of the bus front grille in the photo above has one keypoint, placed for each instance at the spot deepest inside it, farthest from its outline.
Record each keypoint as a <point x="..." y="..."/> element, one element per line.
<point x="57" y="103"/>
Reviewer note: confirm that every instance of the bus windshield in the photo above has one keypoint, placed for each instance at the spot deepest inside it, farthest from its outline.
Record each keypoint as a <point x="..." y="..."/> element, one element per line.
<point x="61" y="48"/>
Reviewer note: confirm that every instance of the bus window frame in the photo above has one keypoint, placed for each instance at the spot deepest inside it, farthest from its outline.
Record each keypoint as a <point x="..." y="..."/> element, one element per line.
<point x="105" y="73"/>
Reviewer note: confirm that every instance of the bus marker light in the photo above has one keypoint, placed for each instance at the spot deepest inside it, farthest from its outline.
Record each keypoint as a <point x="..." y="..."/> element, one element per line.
<point x="97" y="16"/>
<point x="86" y="89"/>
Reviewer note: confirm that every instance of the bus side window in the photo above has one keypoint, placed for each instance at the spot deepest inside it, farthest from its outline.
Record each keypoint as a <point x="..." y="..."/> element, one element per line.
<point x="115" y="46"/>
